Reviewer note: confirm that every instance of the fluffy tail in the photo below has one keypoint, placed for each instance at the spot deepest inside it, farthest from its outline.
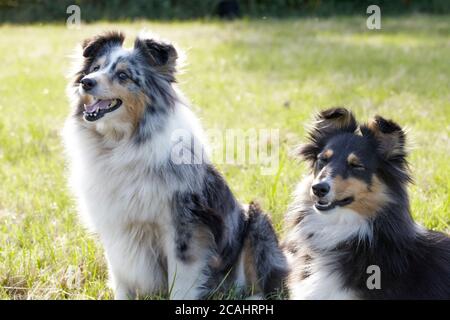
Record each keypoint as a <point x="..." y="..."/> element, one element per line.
<point x="268" y="264"/>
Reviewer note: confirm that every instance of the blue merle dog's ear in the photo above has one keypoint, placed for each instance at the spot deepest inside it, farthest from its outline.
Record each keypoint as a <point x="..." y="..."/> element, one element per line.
<point x="93" y="46"/>
<point x="327" y="123"/>
<point x="160" y="55"/>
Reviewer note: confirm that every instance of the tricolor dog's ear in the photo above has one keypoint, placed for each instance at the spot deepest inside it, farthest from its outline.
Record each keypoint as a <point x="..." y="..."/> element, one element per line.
<point x="93" y="46"/>
<point x="160" y="55"/>
<point x="327" y="123"/>
<point x="335" y="119"/>
<point x="390" y="138"/>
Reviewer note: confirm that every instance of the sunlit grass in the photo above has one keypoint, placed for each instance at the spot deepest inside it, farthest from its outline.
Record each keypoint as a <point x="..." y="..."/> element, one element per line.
<point x="243" y="74"/>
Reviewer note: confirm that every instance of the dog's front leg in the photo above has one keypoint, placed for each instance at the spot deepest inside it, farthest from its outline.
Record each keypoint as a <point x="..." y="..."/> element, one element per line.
<point x="121" y="292"/>
<point x="185" y="276"/>
<point x="136" y="270"/>
<point x="118" y="285"/>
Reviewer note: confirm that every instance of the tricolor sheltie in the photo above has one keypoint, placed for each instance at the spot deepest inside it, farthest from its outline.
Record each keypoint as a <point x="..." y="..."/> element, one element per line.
<point x="167" y="226"/>
<point x="350" y="220"/>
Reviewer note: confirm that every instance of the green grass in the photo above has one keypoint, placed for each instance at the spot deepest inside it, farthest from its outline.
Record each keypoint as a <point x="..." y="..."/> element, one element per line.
<point x="240" y="74"/>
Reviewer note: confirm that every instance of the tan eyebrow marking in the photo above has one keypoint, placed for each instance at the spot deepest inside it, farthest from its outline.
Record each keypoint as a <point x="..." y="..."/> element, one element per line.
<point x="353" y="159"/>
<point x="328" y="153"/>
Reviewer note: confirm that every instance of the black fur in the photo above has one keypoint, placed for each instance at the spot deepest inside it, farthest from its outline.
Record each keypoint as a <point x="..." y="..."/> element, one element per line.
<point x="412" y="265"/>
<point x="271" y="264"/>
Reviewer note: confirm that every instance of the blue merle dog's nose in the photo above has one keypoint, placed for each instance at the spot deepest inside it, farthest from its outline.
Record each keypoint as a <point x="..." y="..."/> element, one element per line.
<point x="88" y="83"/>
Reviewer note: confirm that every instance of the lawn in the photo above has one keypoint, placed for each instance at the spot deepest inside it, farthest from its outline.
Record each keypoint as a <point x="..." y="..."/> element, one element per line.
<point x="242" y="74"/>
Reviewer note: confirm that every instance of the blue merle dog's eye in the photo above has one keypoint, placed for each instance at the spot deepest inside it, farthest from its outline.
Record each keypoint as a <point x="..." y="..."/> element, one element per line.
<point x="122" y="76"/>
<point x="96" y="68"/>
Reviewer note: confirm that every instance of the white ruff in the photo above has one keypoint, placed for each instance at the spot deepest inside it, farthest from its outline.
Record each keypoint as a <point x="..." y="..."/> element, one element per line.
<point x="122" y="199"/>
<point x="323" y="231"/>
<point x="327" y="230"/>
<point x="322" y="284"/>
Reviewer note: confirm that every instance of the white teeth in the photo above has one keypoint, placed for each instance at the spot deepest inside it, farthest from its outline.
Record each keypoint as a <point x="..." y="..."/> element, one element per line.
<point x="90" y="114"/>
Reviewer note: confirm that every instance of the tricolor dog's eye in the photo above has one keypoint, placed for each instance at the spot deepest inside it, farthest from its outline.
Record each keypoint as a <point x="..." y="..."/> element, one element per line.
<point x="96" y="68"/>
<point x="324" y="157"/>
<point x="322" y="161"/>
<point x="122" y="76"/>
<point x="354" y="162"/>
<point x="356" y="166"/>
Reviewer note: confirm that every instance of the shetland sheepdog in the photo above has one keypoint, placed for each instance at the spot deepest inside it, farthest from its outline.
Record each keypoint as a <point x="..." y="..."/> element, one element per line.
<point x="166" y="218"/>
<point x="350" y="231"/>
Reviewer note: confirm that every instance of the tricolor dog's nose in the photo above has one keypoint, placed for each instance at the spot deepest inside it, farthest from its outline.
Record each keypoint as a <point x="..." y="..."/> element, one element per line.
<point x="321" y="189"/>
<point x="88" y="83"/>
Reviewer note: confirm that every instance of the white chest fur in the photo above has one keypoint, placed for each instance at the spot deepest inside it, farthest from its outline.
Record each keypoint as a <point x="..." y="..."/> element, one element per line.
<point x="123" y="196"/>
<point x="322" y="232"/>
<point x="321" y="284"/>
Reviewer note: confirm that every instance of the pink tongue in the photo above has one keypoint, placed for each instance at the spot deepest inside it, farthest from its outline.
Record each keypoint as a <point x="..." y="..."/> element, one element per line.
<point x="99" y="104"/>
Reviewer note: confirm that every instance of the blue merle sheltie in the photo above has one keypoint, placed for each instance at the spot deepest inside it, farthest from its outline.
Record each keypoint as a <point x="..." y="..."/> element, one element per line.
<point x="351" y="218"/>
<point x="167" y="226"/>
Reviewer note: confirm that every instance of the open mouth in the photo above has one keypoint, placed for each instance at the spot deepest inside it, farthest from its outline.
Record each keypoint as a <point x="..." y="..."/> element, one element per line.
<point x="325" y="206"/>
<point x="99" y="108"/>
